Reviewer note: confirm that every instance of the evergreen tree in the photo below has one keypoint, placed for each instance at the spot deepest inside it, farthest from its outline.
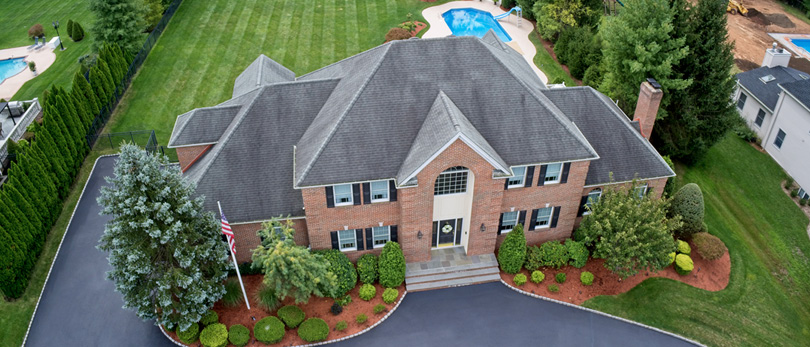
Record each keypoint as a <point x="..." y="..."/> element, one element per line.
<point x="70" y="28"/>
<point x="11" y="266"/>
<point x="117" y="21"/>
<point x="78" y="32"/>
<point x="81" y="84"/>
<point x="71" y="119"/>
<point x="106" y="74"/>
<point x="18" y="217"/>
<point x="637" y="44"/>
<point x="59" y="114"/>
<point x="29" y="210"/>
<point x="167" y="258"/>
<point x="30" y="193"/>
<point x="62" y="142"/>
<point x="78" y="104"/>
<point x="57" y="160"/>
<point x="20" y="235"/>
<point x="100" y="85"/>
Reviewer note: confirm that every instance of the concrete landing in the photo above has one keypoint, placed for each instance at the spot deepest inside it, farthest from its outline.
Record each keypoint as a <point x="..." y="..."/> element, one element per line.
<point x="450" y="267"/>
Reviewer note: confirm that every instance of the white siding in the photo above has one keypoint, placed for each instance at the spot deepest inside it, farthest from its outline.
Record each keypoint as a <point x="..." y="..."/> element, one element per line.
<point x="749" y="113"/>
<point x="794" y="155"/>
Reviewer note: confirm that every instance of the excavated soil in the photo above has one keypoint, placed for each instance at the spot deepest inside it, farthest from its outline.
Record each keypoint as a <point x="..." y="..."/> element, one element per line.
<point x="750" y="34"/>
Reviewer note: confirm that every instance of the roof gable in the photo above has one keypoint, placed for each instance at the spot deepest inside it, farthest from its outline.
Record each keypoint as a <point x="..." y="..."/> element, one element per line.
<point x="202" y="125"/>
<point x="799" y="90"/>
<point x="768" y="93"/>
<point x="262" y="71"/>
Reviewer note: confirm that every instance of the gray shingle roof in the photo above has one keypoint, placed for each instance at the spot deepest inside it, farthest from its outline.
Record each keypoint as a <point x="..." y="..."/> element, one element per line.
<point x="367" y="127"/>
<point x="262" y="71"/>
<point x="202" y="125"/>
<point x="800" y="90"/>
<point x="768" y="93"/>
<point x="622" y="150"/>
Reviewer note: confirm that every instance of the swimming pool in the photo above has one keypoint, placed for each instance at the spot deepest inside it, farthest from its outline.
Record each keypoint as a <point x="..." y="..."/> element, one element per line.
<point x="11" y="67"/>
<point x="802" y="43"/>
<point x="472" y="22"/>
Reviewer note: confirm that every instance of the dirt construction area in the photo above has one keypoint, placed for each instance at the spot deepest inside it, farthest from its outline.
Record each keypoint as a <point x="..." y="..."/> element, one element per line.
<point x="750" y="34"/>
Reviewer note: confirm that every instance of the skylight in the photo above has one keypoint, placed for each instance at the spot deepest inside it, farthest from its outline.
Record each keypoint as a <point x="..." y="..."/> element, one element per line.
<point x="766" y="79"/>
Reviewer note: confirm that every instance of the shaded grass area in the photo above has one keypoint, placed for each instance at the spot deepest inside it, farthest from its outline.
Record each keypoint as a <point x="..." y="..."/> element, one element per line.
<point x="546" y="63"/>
<point x="18" y="16"/>
<point x="15" y="315"/>
<point x="208" y="43"/>
<point x="766" y="301"/>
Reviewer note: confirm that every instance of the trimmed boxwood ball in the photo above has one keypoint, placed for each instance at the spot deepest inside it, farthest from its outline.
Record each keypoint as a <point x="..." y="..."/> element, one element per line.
<point x="214" y="335"/>
<point x="390" y="295"/>
<point x="269" y="330"/>
<point x="342" y="325"/>
<point x="538" y="276"/>
<point x="368" y="292"/>
<point x="519" y="279"/>
<point x="239" y="335"/>
<point x="341" y="266"/>
<point x="512" y="252"/>
<point x="367" y="268"/>
<point x="379" y="308"/>
<point x="313" y="330"/>
<point x="683" y="264"/>
<point x="560" y="277"/>
<point x="683" y="247"/>
<point x="709" y="247"/>
<point x="209" y="318"/>
<point x="291" y="315"/>
<point x="553" y="288"/>
<point x="688" y="203"/>
<point x="189" y="335"/>
<point x="586" y="278"/>
<point x="391" y="265"/>
<point x="361" y="318"/>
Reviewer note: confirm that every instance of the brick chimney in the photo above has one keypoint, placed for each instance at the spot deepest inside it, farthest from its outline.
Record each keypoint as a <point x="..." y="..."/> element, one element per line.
<point x="649" y="98"/>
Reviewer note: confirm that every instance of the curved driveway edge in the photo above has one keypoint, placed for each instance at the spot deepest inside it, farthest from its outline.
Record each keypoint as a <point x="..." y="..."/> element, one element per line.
<point x="600" y="313"/>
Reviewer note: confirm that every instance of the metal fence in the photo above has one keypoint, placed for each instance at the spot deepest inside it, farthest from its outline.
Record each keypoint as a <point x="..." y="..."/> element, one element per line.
<point x="142" y="138"/>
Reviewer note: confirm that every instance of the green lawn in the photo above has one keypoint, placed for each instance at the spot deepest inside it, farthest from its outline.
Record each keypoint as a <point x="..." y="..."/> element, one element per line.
<point x="208" y="43"/>
<point x="766" y="301"/>
<point x="546" y="63"/>
<point x="21" y="15"/>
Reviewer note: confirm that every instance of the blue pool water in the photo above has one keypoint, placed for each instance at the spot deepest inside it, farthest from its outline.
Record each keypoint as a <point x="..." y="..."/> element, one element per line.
<point x="472" y="22"/>
<point x="11" y="67"/>
<point x="803" y="43"/>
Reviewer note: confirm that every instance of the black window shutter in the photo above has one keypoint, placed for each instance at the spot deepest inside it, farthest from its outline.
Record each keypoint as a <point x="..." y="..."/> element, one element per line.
<point x="333" y="235"/>
<point x="555" y="216"/>
<point x="392" y="191"/>
<point x="369" y="239"/>
<point x="366" y="193"/>
<point x="434" y="237"/>
<point x="358" y="238"/>
<point x="500" y="222"/>
<point x="356" y="193"/>
<point x="330" y="197"/>
<point x="529" y="176"/>
<point x="566" y="168"/>
<point x="533" y="220"/>
<point x="506" y="184"/>
<point x="459" y="229"/>
<point x="541" y="177"/>
<point x="582" y="204"/>
<point x="394" y="236"/>
<point x="522" y="218"/>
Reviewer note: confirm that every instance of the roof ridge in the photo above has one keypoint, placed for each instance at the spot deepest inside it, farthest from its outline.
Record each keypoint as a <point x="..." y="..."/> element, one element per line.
<point x="261" y="67"/>
<point x="342" y="116"/>
<point x="343" y="60"/>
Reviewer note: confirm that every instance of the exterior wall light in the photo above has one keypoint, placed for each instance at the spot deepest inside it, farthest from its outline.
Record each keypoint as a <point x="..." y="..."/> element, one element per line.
<point x="483" y="228"/>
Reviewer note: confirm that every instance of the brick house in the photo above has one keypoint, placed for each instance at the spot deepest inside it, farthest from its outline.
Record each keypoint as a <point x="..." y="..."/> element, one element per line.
<point x="429" y="142"/>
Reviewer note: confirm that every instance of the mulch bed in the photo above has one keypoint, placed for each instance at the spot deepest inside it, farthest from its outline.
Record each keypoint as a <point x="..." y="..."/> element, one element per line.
<point x="316" y="307"/>
<point x="710" y="275"/>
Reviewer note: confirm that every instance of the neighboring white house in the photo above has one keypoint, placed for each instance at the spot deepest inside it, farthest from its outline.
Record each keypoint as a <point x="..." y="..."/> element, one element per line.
<point x="775" y="102"/>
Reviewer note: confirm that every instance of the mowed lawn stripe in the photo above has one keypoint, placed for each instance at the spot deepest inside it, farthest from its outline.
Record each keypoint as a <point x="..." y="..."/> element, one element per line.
<point x="306" y="33"/>
<point x="328" y="54"/>
<point x="352" y="44"/>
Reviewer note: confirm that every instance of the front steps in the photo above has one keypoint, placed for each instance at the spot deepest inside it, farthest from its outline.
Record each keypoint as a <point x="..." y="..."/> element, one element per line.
<point x="451" y="268"/>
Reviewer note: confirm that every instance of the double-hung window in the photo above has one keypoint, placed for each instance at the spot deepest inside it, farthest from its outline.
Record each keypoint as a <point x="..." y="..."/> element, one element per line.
<point x="543" y="217"/>
<point x="347" y="240"/>
<point x="760" y="118"/>
<point x="508" y="221"/>
<point x="553" y="173"/>
<point x="780" y="139"/>
<point x="741" y="100"/>
<point x="381" y="235"/>
<point x="593" y="197"/>
<point x="641" y="191"/>
<point x="379" y="191"/>
<point x="519" y="178"/>
<point x="343" y="195"/>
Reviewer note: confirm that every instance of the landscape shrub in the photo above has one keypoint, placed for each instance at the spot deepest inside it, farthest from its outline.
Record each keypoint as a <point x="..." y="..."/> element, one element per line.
<point x="803" y="202"/>
<point x="672" y="258"/>
<point x="709" y="247"/>
<point x="391" y="265"/>
<point x="397" y="34"/>
<point x="291" y="315"/>
<point x="788" y="182"/>
<point x="189" y="335"/>
<point x="688" y="203"/>
<point x="342" y="325"/>
<point x="341" y="266"/>
<point x="361" y="318"/>
<point x="367" y="268"/>
<point x="78" y="32"/>
<point x="313" y="330"/>
<point x="239" y="335"/>
<point x="214" y="335"/>
<point x="794" y="193"/>
<point x="683" y="264"/>
<point x="36" y="30"/>
<point x="519" y="279"/>
<point x="534" y="258"/>
<point x="233" y="293"/>
<point x="390" y="295"/>
<point x="577" y="252"/>
<point x="209" y="318"/>
<point x="345" y="300"/>
<point x="512" y="252"/>
<point x="578" y="48"/>
<point x="267" y="298"/>
<point x="368" y="292"/>
<point x="579" y="235"/>
<point x="538" y="276"/>
<point x="553" y="288"/>
<point x="379" y="308"/>
<point x="744" y="132"/>
<point x="586" y="278"/>
<point x="69" y="27"/>
<point x="554" y="254"/>
<point x="336" y="309"/>
<point x="594" y="75"/>
<point x="560" y="278"/>
<point x="683" y="247"/>
<point x="268" y="330"/>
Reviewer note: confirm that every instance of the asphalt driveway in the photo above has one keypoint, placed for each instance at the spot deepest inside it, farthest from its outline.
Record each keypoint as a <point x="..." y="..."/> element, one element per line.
<point x="79" y="306"/>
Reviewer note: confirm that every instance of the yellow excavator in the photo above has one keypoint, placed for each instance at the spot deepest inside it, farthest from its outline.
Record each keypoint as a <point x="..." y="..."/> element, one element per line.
<point x="735" y="6"/>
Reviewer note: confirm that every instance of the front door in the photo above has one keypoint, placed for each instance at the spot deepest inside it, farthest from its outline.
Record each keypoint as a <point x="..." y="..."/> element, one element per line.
<point x="447" y="233"/>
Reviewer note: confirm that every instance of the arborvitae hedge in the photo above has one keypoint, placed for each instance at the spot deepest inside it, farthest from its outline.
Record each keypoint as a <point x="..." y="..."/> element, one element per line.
<point x="81" y="84"/>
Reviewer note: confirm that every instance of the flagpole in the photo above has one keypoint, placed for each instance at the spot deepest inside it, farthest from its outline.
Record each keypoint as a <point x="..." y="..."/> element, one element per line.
<point x="236" y="266"/>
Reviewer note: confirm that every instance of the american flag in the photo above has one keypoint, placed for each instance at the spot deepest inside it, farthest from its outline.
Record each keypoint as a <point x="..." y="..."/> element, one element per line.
<point x="226" y="229"/>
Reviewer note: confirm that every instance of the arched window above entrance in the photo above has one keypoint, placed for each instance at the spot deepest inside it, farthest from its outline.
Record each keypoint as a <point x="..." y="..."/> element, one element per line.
<point x="451" y="181"/>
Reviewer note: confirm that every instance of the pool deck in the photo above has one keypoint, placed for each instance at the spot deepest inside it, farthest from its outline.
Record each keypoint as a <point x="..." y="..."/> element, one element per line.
<point x="784" y="41"/>
<point x="43" y="56"/>
<point x="520" y="35"/>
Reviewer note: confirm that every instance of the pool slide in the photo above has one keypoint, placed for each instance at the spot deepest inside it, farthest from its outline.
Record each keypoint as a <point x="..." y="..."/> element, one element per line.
<point x="504" y="15"/>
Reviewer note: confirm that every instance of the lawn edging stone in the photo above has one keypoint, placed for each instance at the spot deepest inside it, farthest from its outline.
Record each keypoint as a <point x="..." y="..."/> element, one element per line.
<point x="600" y="313"/>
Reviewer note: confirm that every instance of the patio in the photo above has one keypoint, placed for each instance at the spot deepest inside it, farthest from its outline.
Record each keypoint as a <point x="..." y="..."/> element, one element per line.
<point x="42" y="56"/>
